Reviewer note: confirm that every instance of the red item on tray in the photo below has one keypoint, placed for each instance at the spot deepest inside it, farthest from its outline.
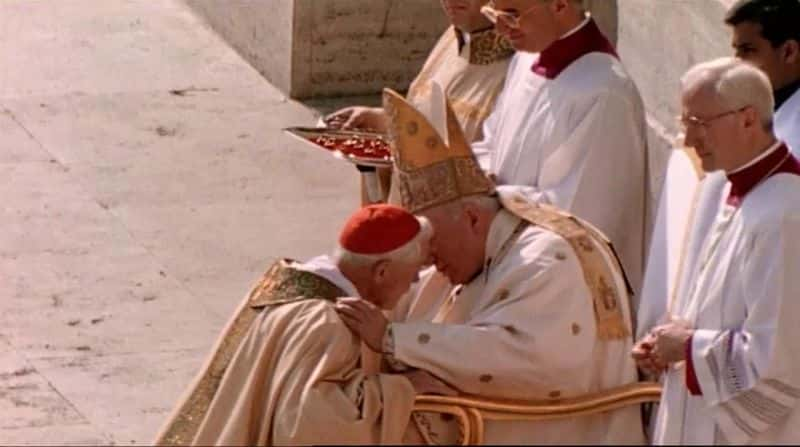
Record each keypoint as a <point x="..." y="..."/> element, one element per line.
<point x="355" y="146"/>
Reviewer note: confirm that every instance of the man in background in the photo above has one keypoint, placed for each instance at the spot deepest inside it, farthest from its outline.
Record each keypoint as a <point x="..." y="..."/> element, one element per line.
<point x="766" y="33"/>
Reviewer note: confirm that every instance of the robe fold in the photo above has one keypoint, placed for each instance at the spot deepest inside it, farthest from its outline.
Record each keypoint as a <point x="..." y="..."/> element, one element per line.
<point x="787" y="122"/>
<point x="470" y="68"/>
<point x="286" y="371"/>
<point x="687" y="198"/>
<point x="578" y="140"/>
<point x="739" y="290"/>
<point x="528" y="327"/>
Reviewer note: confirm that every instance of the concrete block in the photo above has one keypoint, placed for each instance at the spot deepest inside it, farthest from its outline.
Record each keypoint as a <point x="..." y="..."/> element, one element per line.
<point x="312" y="48"/>
<point x="16" y="145"/>
<point x="27" y="399"/>
<point x="55" y="435"/>
<point x="129" y="396"/>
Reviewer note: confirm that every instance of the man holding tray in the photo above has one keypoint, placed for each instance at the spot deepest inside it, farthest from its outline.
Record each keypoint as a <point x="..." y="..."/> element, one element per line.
<point x="469" y="62"/>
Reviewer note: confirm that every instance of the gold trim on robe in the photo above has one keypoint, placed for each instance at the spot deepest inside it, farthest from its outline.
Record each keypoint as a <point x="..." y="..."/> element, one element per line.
<point x="471" y="82"/>
<point x="280" y="284"/>
<point x="485" y="46"/>
<point x="598" y="273"/>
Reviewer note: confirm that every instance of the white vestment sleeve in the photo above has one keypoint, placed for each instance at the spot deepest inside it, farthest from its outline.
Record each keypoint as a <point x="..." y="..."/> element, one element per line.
<point x="750" y="376"/>
<point x="508" y="346"/>
<point x="604" y="148"/>
<point x="787" y="123"/>
<point x="483" y="148"/>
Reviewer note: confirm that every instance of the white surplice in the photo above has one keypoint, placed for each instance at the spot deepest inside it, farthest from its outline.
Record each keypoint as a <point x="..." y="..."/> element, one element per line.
<point x="688" y="197"/>
<point x="580" y="141"/>
<point x="787" y="123"/>
<point x="523" y="329"/>
<point x="740" y="288"/>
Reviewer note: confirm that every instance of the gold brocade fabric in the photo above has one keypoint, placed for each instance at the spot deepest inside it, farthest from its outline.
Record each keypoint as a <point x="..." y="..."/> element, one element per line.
<point x="471" y="80"/>
<point x="485" y="47"/>
<point x="283" y="284"/>
<point x="598" y="273"/>
<point x="280" y="284"/>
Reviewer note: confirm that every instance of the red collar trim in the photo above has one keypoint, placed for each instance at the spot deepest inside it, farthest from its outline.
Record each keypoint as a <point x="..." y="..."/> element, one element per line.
<point x="744" y="181"/>
<point x="563" y="52"/>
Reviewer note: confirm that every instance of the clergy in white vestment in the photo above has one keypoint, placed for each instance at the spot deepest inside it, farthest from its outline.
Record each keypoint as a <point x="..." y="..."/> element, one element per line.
<point x="570" y="124"/>
<point x="540" y="311"/>
<point x="684" y="180"/>
<point x="287" y="370"/>
<point x="729" y="348"/>
<point x="766" y="33"/>
<point x="469" y="62"/>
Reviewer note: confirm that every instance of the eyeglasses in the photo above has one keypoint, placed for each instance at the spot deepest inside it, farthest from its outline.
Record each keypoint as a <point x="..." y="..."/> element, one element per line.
<point x="507" y="19"/>
<point x="688" y="121"/>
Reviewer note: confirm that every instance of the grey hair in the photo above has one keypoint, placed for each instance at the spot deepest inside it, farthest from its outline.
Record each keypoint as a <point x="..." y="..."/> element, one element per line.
<point x="411" y="252"/>
<point x="489" y="204"/>
<point x="736" y="84"/>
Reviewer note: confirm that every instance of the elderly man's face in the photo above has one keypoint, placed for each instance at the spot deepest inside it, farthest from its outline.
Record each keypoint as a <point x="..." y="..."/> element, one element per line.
<point x="713" y="130"/>
<point x="750" y="46"/>
<point x="537" y="27"/>
<point x="395" y="281"/>
<point x="457" y="247"/>
<point x="463" y="13"/>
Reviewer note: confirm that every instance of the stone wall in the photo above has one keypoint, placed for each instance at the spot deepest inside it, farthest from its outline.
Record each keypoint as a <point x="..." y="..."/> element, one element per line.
<point x="317" y="48"/>
<point x="658" y="40"/>
<point x="260" y="30"/>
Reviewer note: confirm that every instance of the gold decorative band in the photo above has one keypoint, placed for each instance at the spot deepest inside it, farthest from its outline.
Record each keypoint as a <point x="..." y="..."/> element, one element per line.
<point x="585" y="241"/>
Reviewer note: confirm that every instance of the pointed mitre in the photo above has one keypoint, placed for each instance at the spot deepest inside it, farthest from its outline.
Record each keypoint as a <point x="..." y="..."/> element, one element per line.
<point x="431" y="167"/>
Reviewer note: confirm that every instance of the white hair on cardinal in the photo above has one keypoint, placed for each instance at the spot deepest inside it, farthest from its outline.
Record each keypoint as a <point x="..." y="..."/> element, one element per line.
<point x="415" y="250"/>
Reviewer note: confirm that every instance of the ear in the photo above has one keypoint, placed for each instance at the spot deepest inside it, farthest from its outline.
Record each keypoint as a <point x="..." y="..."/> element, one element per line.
<point x="473" y="216"/>
<point x="750" y="117"/>
<point x="791" y="51"/>
<point x="380" y="271"/>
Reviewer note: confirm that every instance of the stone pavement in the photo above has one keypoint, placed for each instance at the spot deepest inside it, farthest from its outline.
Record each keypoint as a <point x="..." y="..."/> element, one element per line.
<point x="145" y="184"/>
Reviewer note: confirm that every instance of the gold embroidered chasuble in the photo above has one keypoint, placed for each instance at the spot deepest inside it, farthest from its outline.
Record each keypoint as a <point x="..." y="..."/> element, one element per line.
<point x="471" y="73"/>
<point x="547" y="319"/>
<point x="286" y="371"/>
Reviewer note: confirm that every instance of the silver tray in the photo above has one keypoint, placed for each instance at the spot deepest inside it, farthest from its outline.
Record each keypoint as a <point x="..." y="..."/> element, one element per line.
<point x="306" y="134"/>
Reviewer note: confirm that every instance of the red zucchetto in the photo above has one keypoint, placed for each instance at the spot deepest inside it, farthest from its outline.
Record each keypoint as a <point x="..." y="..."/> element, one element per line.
<point x="378" y="229"/>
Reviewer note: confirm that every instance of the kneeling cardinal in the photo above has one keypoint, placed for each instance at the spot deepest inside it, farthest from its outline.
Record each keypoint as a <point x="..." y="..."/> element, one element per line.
<point x="286" y="370"/>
